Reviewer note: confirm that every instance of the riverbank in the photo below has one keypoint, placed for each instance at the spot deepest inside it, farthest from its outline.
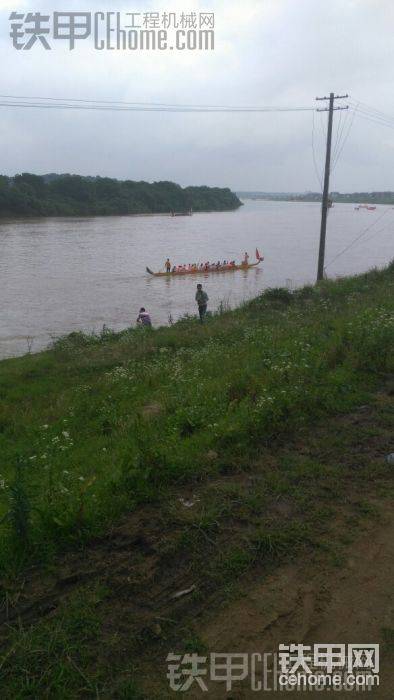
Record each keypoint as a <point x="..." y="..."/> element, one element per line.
<point x="141" y="464"/>
<point x="383" y="198"/>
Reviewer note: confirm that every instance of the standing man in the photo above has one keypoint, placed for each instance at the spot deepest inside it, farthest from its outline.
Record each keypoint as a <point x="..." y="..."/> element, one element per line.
<point x="168" y="265"/>
<point x="246" y="259"/>
<point x="202" y="301"/>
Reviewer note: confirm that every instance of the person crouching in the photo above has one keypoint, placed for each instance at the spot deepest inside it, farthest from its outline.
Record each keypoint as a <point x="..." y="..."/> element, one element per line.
<point x="143" y="318"/>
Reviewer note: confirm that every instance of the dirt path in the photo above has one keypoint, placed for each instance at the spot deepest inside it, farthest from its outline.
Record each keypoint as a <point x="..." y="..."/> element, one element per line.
<point x="311" y="603"/>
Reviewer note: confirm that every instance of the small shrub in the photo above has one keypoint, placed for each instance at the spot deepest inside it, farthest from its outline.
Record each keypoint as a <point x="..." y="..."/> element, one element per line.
<point x="279" y="294"/>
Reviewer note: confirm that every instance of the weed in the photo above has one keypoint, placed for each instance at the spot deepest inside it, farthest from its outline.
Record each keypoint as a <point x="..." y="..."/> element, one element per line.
<point x="51" y="658"/>
<point x="19" y="514"/>
<point x="280" y="294"/>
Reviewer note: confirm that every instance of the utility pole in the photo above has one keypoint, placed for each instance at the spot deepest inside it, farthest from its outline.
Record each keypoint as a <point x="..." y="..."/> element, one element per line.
<point x="325" y="203"/>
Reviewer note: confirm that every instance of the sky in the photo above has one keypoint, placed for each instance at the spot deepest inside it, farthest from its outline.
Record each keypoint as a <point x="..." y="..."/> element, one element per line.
<point x="280" y="53"/>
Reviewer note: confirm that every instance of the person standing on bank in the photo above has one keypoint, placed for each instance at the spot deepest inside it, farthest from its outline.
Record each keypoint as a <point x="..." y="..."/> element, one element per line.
<point x="202" y="301"/>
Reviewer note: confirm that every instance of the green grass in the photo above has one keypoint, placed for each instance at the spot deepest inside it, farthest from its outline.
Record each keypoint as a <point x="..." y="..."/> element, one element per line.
<point x="99" y="424"/>
<point x="25" y="671"/>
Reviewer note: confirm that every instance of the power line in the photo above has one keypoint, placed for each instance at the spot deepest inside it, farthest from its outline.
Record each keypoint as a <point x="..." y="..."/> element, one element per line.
<point x="376" y="233"/>
<point x="373" y="120"/>
<point x="99" y="102"/>
<point x="323" y="139"/>
<point x="351" y="244"/>
<point x="373" y="114"/>
<point x="96" y="105"/>
<point x="318" y="176"/>
<point x="367" y="113"/>
<point x="372" y="110"/>
<point x="337" y="139"/>
<point x="339" y="153"/>
<point x="341" y="137"/>
<point x="149" y="104"/>
<point x="322" y="129"/>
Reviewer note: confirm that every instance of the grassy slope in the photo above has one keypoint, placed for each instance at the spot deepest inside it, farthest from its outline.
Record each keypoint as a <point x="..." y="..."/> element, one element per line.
<point x="100" y="424"/>
<point x="143" y="418"/>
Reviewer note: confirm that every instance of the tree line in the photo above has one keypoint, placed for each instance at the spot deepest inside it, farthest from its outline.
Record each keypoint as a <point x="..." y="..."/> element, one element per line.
<point x="350" y="197"/>
<point x="74" y="195"/>
<point x="386" y="197"/>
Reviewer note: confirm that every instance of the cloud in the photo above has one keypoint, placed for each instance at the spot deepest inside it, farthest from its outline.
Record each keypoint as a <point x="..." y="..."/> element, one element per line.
<point x="267" y="52"/>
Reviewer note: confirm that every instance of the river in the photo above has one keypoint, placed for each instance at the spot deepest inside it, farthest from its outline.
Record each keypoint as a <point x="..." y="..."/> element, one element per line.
<point x="67" y="274"/>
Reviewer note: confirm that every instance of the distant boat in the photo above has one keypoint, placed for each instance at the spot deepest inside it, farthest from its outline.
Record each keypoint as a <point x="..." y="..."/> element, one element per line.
<point x="369" y="207"/>
<point x="182" y="213"/>
<point x="205" y="270"/>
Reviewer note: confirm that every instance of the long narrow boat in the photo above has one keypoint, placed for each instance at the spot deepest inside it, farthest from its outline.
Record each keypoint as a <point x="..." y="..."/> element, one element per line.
<point x="182" y="213"/>
<point x="204" y="271"/>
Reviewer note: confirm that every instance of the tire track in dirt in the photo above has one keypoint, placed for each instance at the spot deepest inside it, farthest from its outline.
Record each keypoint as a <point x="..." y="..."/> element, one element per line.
<point x="309" y="602"/>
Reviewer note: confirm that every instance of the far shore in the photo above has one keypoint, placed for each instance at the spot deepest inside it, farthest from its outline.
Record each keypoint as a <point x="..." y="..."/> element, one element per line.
<point x="6" y="219"/>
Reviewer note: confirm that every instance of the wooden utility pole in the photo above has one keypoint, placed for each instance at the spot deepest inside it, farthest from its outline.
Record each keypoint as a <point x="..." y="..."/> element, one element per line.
<point x="326" y="188"/>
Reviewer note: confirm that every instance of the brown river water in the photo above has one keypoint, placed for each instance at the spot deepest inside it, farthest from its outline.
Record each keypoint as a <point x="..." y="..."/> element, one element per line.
<point x="68" y="274"/>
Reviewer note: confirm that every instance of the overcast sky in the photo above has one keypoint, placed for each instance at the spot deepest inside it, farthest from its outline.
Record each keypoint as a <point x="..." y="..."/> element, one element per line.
<point x="267" y="53"/>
